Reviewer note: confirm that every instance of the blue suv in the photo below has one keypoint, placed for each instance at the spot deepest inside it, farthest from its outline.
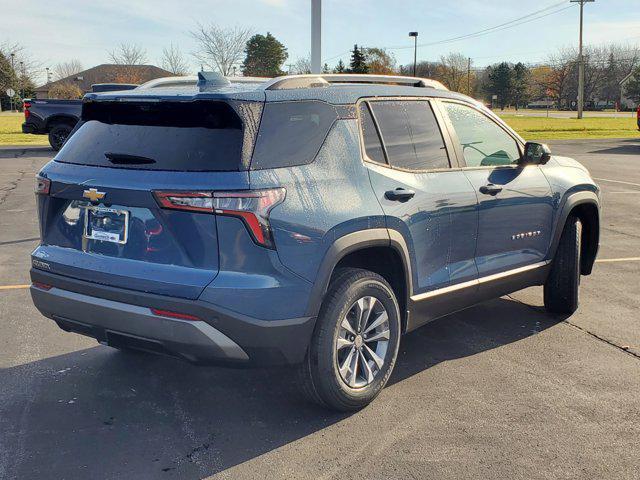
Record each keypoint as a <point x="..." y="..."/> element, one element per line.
<point x="305" y="220"/>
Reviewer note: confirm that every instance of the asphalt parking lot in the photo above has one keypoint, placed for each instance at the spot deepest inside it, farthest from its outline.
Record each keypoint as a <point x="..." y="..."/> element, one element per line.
<point x="501" y="390"/>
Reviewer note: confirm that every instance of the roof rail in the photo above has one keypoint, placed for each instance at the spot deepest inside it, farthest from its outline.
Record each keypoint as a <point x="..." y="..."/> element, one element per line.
<point x="321" y="80"/>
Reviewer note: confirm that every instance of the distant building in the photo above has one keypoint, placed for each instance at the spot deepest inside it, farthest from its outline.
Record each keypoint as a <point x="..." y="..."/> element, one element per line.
<point x="107" y="73"/>
<point x="625" y="102"/>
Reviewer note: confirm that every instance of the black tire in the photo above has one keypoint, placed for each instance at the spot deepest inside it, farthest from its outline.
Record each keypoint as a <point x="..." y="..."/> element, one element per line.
<point x="58" y="134"/>
<point x="561" y="290"/>
<point x="319" y="374"/>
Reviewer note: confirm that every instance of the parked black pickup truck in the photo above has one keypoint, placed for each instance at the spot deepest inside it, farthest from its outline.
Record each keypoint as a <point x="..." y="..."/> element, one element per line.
<point x="57" y="118"/>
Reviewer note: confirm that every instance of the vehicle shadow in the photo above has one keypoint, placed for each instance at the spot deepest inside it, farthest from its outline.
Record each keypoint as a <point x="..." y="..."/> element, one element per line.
<point x="100" y="413"/>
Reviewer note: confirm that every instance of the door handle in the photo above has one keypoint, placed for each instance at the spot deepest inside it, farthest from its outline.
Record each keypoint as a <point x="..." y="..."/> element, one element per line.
<point x="490" y="189"/>
<point x="399" y="194"/>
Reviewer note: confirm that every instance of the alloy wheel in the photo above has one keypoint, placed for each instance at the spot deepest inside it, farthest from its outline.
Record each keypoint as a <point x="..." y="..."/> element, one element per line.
<point x="362" y="342"/>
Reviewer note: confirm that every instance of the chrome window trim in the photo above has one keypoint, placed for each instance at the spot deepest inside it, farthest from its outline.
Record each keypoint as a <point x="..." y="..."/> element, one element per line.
<point x="478" y="281"/>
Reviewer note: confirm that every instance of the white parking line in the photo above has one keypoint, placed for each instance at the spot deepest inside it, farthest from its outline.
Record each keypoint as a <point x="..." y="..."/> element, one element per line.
<point x="616" y="181"/>
<point x="13" y="287"/>
<point x="612" y="260"/>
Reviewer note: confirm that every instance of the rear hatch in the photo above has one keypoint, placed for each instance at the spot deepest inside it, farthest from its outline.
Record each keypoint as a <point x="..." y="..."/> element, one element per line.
<point x="102" y="221"/>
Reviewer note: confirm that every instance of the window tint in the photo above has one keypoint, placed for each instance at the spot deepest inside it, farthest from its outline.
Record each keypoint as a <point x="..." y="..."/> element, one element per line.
<point x="484" y="143"/>
<point x="410" y="134"/>
<point x="190" y="136"/>
<point x="291" y="133"/>
<point x="372" y="144"/>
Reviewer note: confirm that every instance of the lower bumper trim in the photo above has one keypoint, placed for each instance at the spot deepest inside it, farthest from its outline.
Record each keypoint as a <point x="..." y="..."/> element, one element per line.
<point x="124" y="325"/>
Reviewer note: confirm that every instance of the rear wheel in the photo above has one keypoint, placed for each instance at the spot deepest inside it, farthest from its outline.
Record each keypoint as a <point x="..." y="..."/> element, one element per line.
<point x="355" y="343"/>
<point x="58" y="135"/>
<point x="561" y="290"/>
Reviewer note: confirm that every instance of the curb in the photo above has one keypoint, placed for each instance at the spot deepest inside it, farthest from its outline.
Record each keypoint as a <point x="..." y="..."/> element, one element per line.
<point x="20" y="150"/>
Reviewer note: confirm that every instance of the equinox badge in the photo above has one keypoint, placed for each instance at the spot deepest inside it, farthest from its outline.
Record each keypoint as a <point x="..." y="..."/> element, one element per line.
<point x="93" y="194"/>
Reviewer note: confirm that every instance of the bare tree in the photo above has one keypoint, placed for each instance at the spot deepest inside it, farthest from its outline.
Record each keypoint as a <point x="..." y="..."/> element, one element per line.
<point x="26" y="66"/>
<point x="452" y="71"/>
<point x="67" y="69"/>
<point x="302" y="66"/>
<point x="128" y="54"/>
<point x="174" y="61"/>
<point x="220" y="48"/>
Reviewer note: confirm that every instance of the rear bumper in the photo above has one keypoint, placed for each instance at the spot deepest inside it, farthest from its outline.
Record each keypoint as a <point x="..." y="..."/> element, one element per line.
<point x="123" y="318"/>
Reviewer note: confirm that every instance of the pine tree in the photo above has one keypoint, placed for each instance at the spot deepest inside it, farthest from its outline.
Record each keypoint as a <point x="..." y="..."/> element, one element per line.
<point x="339" y="67"/>
<point x="500" y="83"/>
<point x="519" y="83"/>
<point x="325" y="69"/>
<point x="358" y="61"/>
<point x="264" y="56"/>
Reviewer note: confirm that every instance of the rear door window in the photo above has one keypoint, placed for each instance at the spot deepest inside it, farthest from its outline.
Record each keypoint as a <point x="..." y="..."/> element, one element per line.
<point x="176" y="136"/>
<point x="410" y="134"/>
<point x="291" y="133"/>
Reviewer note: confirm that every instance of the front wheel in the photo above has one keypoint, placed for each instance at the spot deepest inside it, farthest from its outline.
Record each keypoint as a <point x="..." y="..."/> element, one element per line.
<point x="561" y="290"/>
<point x="355" y="343"/>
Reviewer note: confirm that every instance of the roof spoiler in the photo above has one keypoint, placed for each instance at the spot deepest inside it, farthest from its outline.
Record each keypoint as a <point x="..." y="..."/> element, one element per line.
<point x="309" y="81"/>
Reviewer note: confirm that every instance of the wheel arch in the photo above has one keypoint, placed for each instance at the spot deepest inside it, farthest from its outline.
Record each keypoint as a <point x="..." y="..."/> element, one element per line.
<point x="60" y="119"/>
<point x="584" y="206"/>
<point x="380" y="250"/>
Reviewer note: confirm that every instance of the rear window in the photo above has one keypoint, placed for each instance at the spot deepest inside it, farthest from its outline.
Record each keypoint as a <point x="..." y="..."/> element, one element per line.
<point x="291" y="133"/>
<point x="188" y="136"/>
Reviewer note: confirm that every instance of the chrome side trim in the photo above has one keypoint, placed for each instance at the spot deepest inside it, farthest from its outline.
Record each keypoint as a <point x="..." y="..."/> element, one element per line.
<point x="473" y="283"/>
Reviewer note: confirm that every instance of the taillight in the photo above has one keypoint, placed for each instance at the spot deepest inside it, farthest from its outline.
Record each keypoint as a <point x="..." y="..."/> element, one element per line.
<point x="43" y="185"/>
<point x="25" y="107"/>
<point x="251" y="206"/>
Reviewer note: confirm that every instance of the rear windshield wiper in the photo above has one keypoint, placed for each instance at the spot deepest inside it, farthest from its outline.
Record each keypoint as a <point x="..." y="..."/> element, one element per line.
<point x="124" y="159"/>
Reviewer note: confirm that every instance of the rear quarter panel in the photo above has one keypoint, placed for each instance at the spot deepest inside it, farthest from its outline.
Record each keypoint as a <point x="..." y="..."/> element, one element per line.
<point x="325" y="200"/>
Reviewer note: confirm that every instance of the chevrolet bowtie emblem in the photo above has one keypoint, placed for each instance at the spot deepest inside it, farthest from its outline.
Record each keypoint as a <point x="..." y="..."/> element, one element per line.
<point x="93" y="194"/>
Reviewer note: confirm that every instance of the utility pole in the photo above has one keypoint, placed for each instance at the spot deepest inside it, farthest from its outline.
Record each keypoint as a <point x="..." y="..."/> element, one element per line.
<point x="316" y="36"/>
<point x="13" y="70"/>
<point x="415" y="51"/>
<point x="469" y="76"/>
<point x="581" y="60"/>
<point x="22" y="80"/>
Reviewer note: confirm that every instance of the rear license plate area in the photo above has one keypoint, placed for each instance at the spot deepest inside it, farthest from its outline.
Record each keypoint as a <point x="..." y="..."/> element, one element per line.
<point x="106" y="225"/>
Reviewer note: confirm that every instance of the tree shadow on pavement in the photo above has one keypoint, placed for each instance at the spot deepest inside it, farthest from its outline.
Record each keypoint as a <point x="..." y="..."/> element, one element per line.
<point x="101" y="413"/>
<point x="631" y="147"/>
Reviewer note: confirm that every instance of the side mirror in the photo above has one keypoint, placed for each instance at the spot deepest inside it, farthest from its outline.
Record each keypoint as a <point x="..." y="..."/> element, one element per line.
<point x="535" y="154"/>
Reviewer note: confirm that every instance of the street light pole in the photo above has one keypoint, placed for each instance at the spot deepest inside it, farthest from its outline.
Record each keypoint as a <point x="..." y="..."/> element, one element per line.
<point x="316" y="36"/>
<point x="581" y="60"/>
<point x="415" y="51"/>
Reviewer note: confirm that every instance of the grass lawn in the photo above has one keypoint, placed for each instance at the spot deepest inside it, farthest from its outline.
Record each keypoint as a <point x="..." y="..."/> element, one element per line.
<point x="11" y="131"/>
<point x="531" y="128"/>
<point x="542" y="128"/>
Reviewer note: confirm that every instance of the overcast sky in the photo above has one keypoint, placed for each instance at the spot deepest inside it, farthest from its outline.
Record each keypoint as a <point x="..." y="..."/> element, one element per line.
<point x="60" y="30"/>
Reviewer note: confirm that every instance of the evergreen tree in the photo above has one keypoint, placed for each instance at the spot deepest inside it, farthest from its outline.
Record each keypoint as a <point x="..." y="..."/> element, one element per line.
<point x="264" y="56"/>
<point x="339" y="67"/>
<point x="358" y="61"/>
<point x="500" y="83"/>
<point x="326" y="69"/>
<point x="519" y="84"/>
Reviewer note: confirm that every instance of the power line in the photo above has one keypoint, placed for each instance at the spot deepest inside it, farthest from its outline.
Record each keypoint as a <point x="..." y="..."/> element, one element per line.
<point x="503" y="26"/>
